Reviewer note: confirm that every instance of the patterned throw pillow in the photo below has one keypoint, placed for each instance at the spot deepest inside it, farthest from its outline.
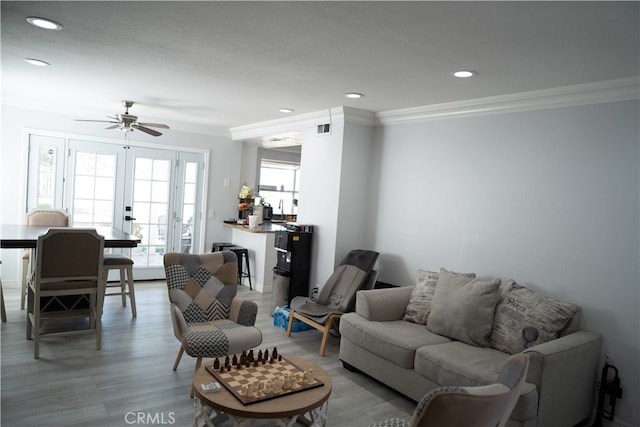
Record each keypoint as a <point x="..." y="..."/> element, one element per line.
<point x="421" y="297"/>
<point x="525" y="318"/>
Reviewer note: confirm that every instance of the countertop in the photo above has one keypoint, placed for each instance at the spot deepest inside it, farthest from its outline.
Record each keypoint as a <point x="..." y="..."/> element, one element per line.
<point x="266" y="227"/>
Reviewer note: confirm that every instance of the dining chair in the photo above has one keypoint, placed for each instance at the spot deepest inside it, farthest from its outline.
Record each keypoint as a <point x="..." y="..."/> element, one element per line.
<point x="67" y="283"/>
<point x="208" y="318"/>
<point x="41" y="217"/>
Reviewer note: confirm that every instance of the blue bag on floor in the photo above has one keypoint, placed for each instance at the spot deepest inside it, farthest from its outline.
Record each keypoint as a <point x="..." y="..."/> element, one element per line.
<point x="281" y="320"/>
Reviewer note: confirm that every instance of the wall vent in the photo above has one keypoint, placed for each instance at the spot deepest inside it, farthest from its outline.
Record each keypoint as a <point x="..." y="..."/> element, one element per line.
<point x="325" y="128"/>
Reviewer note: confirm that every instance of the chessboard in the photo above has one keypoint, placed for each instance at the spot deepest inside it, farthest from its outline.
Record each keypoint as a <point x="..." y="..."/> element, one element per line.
<point x="254" y="379"/>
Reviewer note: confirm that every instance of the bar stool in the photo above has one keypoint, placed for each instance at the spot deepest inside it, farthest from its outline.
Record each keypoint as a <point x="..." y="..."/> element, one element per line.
<point x="219" y="246"/>
<point x="242" y="254"/>
<point x="125" y="265"/>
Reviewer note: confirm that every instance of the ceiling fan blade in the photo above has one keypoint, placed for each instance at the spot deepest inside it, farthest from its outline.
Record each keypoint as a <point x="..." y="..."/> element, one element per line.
<point x="96" y="121"/>
<point x="154" y="125"/>
<point x="147" y="130"/>
<point x="113" y="126"/>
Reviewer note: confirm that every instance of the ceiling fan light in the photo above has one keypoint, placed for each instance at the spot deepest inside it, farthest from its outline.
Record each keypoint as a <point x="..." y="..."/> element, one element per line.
<point x="47" y="24"/>
<point x="286" y="110"/>
<point x="36" y="62"/>
<point x="354" y="95"/>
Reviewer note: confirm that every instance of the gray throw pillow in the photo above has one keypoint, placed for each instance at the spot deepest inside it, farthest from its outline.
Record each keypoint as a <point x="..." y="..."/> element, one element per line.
<point x="421" y="299"/>
<point x="463" y="308"/>
<point x="525" y="318"/>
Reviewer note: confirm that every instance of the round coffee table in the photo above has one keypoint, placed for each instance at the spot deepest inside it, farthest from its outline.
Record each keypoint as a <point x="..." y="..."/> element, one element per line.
<point x="308" y="406"/>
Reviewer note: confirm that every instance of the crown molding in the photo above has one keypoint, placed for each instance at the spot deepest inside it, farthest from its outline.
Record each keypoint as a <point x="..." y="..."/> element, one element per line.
<point x="303" y="121"/>
<point x="624" y="89"/>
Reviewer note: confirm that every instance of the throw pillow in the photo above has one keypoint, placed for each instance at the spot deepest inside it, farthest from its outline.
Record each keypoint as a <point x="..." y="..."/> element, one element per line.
<point x="463" y="308"/>
<point x="419" y="305"/>
<point x="525" y="318"/>
<point x="421" y="297"/>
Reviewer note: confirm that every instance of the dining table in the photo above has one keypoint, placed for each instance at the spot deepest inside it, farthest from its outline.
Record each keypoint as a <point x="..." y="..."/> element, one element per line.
<point x="21" y="236"/>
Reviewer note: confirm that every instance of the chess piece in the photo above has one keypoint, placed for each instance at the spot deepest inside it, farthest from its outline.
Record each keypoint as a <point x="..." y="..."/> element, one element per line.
<point x="250" y="390"/>
<point x="266" y="354"/>
<point x="268" y="387"/>
<point x="260" y="356"/>
<point x="216" y="364"/>
<point x="255" y="363"/>
<point x="234" y="361"/>
<point x="222" y="370"/>
<point x="279" y="358"/>
<point x="244" y="390"/>
<point x="287" y="382"/>
<point x="226" y="362"/>
<point x="275" y="352"/>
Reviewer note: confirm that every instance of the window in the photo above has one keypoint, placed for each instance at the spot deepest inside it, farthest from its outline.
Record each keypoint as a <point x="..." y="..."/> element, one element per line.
<point x="280" y="186"/>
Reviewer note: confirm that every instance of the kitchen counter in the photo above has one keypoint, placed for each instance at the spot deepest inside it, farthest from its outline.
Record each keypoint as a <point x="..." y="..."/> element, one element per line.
<point x="262" y="255"/>
<point x="267" y="227"/>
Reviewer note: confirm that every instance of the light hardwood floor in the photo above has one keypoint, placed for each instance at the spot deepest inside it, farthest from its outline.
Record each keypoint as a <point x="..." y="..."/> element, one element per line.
<point x="73" y="384"/>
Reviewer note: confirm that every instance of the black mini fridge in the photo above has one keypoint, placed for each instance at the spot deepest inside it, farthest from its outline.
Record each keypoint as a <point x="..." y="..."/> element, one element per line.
<point x="293" y="263"/>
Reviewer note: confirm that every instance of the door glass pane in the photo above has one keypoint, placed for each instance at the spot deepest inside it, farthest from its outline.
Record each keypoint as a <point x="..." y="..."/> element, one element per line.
<point x="150" y="206"/>
<point x="94" y="189"/>
<point x="46" y="177"/>
<point x="188" y="205"/>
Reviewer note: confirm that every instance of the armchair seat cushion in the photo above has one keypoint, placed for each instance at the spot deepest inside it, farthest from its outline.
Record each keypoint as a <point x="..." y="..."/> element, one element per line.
<point x="219" y="338"/>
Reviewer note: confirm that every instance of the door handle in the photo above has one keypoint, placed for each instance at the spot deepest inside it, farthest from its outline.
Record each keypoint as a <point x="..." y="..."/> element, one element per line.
<point x="129" y="218"/>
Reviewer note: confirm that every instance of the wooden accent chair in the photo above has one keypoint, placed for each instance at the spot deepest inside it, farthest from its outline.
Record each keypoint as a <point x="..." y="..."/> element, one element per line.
<point x="41" y="217"/>
<point x="481" y="406"/>
<point x="67" y="283"/>
<point x="337" y="296"/>
<point x="208" y="319"/>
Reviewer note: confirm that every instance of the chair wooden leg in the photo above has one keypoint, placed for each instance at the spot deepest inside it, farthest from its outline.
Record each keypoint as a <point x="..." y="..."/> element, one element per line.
<point x="177" y="362"/>
<point x="23" y="294"/>
<point x="325" y="334"/>
<point x="4" y="311"/>
<point x="198" y="364"/>
<point x="290" y="325"/>
<point x="132" y="292"/>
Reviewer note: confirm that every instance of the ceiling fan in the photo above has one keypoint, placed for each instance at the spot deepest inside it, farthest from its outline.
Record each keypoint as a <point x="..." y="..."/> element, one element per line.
<point x="128" y="122"/>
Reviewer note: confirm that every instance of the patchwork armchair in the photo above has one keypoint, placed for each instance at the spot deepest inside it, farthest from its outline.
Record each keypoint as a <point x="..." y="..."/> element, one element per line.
<point x="208" y="319"/>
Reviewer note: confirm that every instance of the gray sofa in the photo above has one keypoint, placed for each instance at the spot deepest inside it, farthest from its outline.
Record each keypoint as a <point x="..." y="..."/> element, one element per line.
<point x="391" y="341"/>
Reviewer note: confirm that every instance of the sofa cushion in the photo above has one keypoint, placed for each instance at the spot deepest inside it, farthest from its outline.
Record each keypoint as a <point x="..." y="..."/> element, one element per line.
<point x="524" y="318"/>
<point x="395" y="340"/>
<point x="463" y="307"/>
<point x="421" y="298"/>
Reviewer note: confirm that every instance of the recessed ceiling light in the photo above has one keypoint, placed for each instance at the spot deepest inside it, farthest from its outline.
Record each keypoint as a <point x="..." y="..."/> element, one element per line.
<point x="36" y="62"/>
<point x="286" y="110"/>
<point x="47" y="24"/>
<point x="354" y="95"/>
<point x="463" y="74"/>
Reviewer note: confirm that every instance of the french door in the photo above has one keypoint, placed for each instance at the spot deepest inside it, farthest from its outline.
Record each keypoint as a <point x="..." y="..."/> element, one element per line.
<point x="149" y="192"/>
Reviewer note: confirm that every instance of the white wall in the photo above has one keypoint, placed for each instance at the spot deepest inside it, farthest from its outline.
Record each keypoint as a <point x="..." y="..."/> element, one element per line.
<point x="549" y="198"/>
<point x="224" y="161"/>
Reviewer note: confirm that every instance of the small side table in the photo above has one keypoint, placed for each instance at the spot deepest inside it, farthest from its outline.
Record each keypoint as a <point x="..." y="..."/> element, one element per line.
<point x="309" y="406"/>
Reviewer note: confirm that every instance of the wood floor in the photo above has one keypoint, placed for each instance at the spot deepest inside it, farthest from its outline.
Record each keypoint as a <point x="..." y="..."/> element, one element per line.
<point x="131" y="381"/>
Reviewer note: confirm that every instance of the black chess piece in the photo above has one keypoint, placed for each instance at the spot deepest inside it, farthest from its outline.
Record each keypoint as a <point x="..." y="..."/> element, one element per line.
<point x="226" y="361"/>
<point x="216" y="364"/>
<point x="274" y="353"/>
<point x="266" y="354"/>
<point x="234" y="361"/>
<point x="259" y="355"/>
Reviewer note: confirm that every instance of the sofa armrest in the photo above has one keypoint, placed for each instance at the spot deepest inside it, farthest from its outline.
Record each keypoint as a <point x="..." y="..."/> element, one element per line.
<point x="565" y="372"/>
<point x="243" y="312"/>
<point x="383" y="305"/>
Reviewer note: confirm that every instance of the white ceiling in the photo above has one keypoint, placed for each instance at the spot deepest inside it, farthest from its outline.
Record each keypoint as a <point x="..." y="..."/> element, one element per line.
<point x="207" y="67"/>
